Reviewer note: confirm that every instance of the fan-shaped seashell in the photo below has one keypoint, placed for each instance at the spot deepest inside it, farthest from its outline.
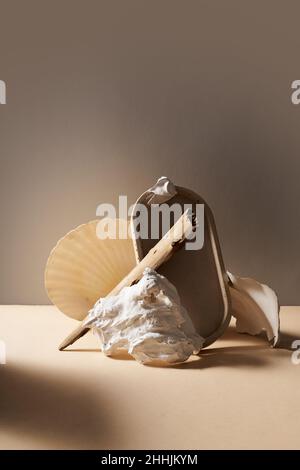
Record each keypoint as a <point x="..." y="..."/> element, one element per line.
<point x="81" y="267"/>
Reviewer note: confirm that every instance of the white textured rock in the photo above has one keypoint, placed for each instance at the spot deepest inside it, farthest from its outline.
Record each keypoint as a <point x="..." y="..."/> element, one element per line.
<point x="147" y="320"/>
<point x="255" y="307"/>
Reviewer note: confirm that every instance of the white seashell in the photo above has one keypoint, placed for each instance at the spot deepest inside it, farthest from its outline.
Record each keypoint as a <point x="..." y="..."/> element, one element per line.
<point x="162" y="191"/>
<point x="147" y="320"/>
<point x="255" y="307"/>
<point x="81" y="268"/>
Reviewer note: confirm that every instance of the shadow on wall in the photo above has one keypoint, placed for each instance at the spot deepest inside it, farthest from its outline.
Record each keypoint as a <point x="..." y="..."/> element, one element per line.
<point x="51" y="411"/>
<point x="261" y="195"/>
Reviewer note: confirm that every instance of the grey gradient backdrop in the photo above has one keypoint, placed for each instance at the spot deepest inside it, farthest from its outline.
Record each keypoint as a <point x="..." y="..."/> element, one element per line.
<point x="105" y="96"/>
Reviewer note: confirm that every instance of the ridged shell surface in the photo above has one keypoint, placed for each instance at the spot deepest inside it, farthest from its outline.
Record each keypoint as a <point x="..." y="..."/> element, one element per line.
<point x="82" y="268"/>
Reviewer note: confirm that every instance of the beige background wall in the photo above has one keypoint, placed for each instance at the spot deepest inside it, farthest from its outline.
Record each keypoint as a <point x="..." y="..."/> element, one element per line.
<point x="105" y="96"/>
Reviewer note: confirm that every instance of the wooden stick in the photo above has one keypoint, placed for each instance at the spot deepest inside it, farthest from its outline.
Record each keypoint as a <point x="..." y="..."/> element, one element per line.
<point x="158" y="255"/>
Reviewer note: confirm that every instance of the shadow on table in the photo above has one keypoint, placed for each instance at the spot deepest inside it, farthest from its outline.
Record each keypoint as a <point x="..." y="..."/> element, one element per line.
<point x="256" y="352"/>
<point x="248" y="355"/>
<point x="233" y="356"/>
<point x="56" y="410"/>
<point x="285" y="341"/>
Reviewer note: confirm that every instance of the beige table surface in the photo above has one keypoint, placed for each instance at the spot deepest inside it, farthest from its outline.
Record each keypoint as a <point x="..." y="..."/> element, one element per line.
<point x="238" y="394"/>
